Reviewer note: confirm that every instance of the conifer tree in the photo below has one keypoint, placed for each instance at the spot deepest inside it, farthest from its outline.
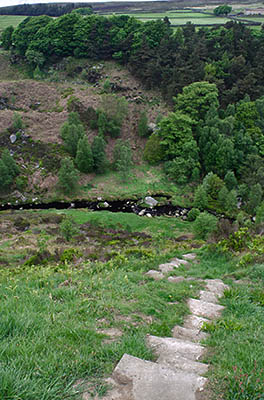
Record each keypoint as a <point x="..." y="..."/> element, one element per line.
<point x="68" y="177"/>
<point x="99" y="156"/>
<point x="84" y="156"/>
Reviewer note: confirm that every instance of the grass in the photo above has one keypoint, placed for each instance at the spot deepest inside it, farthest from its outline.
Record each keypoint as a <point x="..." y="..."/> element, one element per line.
<point x="71" y="319"/>
<point x="57" y="319"/>
<point x="144" y="181"/>
<point x="7" y="20"/>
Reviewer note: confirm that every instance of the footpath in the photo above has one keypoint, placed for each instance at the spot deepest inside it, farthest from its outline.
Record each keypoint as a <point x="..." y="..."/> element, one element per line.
<point x="178" y="373"/>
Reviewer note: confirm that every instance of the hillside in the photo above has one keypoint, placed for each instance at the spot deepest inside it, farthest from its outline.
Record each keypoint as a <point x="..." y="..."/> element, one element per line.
<point x="132" y="210"/>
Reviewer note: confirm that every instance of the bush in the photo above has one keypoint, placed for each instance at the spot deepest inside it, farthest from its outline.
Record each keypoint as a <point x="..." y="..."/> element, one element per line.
<point x="193" y="214"/>
<point x="123" y="158"/>
<point x="204" y="225"/>
<point x="143" y="129"/>
<point x="153" y="152"/>
<point x="68" y="228"/>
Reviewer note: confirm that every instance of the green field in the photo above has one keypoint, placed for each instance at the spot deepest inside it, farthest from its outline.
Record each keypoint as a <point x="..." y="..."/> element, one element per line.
<point x="7" y="20"/>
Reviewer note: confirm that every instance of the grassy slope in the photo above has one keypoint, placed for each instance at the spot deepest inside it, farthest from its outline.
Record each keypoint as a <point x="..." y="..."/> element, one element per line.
<point x="71" y="321"/>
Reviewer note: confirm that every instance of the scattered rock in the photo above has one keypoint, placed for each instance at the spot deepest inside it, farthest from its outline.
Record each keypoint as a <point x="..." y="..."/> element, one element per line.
<point x="150" y="201"/>
<point x="155" y="274"/>
<point x="13" y="138"/>
<point x="165" y="268"/>
<point x="176" y="279"/>
<point x="189" y="256"/>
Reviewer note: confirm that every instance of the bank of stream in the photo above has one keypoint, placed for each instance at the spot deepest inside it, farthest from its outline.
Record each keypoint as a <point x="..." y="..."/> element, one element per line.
<point x="125" y="206"/>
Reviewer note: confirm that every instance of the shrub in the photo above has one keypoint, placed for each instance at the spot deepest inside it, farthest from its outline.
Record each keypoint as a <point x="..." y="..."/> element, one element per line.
<point x="193" y="214"/>
<point x="143" y="129"/>
<point x="204" y="225"/>
<point x="123" y="158"/>
<point x="68" y="228"/>
<point x="153" y="152"/>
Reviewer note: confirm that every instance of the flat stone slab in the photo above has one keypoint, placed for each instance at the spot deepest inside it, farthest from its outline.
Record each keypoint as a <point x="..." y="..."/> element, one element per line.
<point x="184" y="348"/>
<point x="210" y="297"/>
<point x="179" y="363"/>
<point x="193" y="335"/>
<point x="205" y="309"/>
<point x="216" y="286"/>
<point x="155" y="274"/>
<point x="165" y="268"/>
<point x="176" y="279"/>
<point x="194" y="322"/>
<point x="178" y="261"/>
<point x="189" y="256"/>
<point x="152" y="381"/>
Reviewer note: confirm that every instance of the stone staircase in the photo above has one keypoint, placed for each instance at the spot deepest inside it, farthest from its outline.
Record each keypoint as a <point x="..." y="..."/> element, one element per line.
<point x="177" y="373"/>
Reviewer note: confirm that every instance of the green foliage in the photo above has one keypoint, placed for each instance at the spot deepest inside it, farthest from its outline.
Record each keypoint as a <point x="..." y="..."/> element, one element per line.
<point x="204" y="225"/>
<point x="67" y="177"/>
<point x="212" y="185"/>
<point x="17" y="123"/>
<point x="123" y="159"/>
<point x="35" y="58"/>
<point x="230" y="180"/>
<point x="99" y="155"/>
<point x="179" y="147"/>
<point x="83" y="10"/>
<point x="153" y="152"/>
<point x="112" y="111"/>
<point x="237" y="241"/>
<point x="143" y="129"/>
<point x="193" y="214"/>
<point x="196" y="99"/>
<point x="200" y="198"/>
<point x="68" y="229"/>
<point x="254" y="200"/>
<point x="84" y="156"/>
<point x="223" y="10"/>
<point x="6" y="37"/>
<point x="260" y="214"/>
<point x="8" y="170"/>
<point x="71" y="132"/>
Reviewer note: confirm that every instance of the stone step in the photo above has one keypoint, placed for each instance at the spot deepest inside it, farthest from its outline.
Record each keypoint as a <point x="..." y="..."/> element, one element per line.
<point x="194" y="322"/>
<point x="152" y="273"/>
<point x="176" y="279"/>
<point x="210" y="297"/>
<point x="178" y="261"/>
<point x="189" y="256"/>
<point x="178" y="363"/>
<point x="193" y="335"/>
<point x="167" y="345"/>
<point x="216" y="286"/>
<point x="151" y="381"/>
<point x="205" y="309"/>
<point x="165" y="268"/>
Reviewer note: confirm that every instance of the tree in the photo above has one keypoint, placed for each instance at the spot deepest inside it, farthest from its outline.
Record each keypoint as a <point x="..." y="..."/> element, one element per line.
<point x="8" y="170"/>
<point x="99" y="156"/>
<point x="5" y="177"/>
<point x="143" y="129"/>
<point x="200" y="198"/>
<point x="68" y="177"/>
<point x="212" y="185"/>
<point x="255" y="196"/>
<point x="84" y="156"/>
<point x="6" y="37"/>
<point x="230" y="180"/>
<point x="123" y="158"/>
<point x="204" y="225"/>
<point x="223" y="10"/>
<point x="112" y="111"/>
<point x="153" y="152"/>
<point x="196" y="99"/>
